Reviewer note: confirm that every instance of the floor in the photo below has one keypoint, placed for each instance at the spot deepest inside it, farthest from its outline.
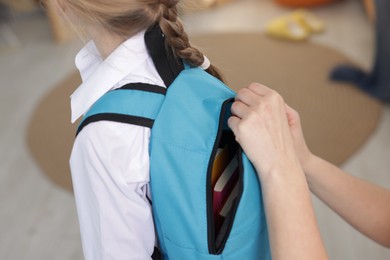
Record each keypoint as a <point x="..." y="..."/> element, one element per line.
<point x="38" y="220"/>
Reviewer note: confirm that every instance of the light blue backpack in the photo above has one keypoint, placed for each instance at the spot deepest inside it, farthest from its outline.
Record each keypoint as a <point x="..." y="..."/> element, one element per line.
<point x="188" y="122"/>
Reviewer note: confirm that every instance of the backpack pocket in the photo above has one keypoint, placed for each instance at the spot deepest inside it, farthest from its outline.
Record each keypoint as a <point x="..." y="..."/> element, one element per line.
<point x="224" y="183"/>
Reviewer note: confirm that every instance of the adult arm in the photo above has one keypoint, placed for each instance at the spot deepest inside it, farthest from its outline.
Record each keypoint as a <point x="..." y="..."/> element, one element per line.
<point x="260" y="124"/>
<point x="362" y="204"/>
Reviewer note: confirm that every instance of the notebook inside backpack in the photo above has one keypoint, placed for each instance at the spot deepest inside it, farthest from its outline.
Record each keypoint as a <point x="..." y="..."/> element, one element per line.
<point x="225" y="185"/>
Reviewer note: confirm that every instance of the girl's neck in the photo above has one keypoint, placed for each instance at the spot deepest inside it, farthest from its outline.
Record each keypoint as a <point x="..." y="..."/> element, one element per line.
<point x="106" y="42"/>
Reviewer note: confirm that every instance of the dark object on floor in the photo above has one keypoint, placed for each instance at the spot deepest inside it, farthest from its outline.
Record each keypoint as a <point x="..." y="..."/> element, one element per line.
<point x="377" y="82"/>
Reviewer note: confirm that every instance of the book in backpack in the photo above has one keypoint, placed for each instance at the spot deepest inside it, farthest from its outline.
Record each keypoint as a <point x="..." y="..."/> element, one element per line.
<point x="206" y="195"/>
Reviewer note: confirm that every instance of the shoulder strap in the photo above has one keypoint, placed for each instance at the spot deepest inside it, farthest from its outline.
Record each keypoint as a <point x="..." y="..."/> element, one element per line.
<point x="167" y="64"/>
<point x="127" y="105"/>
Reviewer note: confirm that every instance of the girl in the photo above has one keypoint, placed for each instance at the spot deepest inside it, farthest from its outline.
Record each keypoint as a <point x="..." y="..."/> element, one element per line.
<point x="110" y="161"/>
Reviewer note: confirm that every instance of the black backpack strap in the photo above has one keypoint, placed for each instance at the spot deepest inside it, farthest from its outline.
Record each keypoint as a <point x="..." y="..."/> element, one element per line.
<point x="156" y="254"/>
<point x="127" y="105"/>
<point x="168" y="66"/>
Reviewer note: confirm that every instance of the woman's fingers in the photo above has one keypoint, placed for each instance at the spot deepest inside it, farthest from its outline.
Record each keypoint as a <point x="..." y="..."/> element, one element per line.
<point x="260" y="89"/>
<point x="255" y="99"/>
<point x="240" y="109"/>
<point x="233" y="122"/>
<point x="247" y="96"/>
<point x="255" y="93"/>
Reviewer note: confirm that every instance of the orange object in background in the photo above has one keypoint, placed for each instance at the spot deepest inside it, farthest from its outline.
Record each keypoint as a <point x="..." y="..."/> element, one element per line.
<point x="304" y="3"/>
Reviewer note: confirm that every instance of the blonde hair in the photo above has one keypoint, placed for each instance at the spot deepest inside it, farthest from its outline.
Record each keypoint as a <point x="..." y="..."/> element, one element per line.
<point x="127" y="17"/>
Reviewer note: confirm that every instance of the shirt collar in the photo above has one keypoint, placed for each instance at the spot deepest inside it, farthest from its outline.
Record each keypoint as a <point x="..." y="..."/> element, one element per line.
<point x="100" y="76"/>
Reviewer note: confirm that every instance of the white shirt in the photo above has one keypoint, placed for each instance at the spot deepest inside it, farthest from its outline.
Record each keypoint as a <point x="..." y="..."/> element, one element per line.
<point x="110" y="160"/>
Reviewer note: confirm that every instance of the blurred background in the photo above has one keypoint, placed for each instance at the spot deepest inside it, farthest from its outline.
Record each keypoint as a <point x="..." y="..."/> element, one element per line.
<point x="37" y="212"/>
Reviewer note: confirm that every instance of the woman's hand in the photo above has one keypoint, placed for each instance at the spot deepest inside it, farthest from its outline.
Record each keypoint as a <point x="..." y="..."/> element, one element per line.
<point x="260" y="121"/>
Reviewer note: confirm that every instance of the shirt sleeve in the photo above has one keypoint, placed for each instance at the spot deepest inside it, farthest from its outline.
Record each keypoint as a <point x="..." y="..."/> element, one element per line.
<point x="110" y="173"/>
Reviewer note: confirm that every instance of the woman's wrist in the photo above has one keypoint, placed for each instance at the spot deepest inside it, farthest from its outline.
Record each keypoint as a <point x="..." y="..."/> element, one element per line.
<point x="284" y="170"/>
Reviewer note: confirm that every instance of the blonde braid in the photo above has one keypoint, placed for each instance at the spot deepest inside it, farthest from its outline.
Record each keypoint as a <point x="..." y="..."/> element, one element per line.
<point x="177" y="38"/>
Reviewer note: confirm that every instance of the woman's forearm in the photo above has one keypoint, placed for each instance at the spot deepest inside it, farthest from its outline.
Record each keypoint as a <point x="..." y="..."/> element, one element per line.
<point x="362" y="204"/>
<point x="291" y="221"/>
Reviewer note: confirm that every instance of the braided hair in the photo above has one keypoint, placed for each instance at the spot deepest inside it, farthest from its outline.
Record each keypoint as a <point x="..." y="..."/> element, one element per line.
<point x="177" y="38"/>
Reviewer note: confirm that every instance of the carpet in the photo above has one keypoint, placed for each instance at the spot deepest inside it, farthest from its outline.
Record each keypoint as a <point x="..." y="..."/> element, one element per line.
<point x="337" y="118"/>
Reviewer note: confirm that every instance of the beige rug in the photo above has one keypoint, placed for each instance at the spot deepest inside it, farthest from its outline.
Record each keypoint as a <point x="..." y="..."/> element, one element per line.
<point x="337" y="118"/>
